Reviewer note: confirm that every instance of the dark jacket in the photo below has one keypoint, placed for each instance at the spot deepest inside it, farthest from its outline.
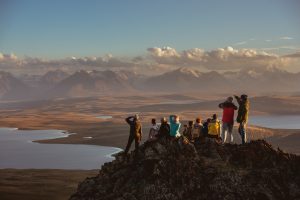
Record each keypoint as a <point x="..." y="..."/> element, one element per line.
<point x="205" y="129"/>
<point x="228" y="111"/>
<point x="135" y="126"/>
<point x="164" y="130"/>
<point x="243" y="110"/>
<point x="188" y="132"/>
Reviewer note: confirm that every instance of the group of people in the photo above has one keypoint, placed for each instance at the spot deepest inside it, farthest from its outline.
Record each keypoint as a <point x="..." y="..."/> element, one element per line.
<point x="193" y="131"/>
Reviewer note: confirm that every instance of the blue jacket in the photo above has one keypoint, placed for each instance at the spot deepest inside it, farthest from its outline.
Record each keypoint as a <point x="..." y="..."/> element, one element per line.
<point x="174" y="127"/>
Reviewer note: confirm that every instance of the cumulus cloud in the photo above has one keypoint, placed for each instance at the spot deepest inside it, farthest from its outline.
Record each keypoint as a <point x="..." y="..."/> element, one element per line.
<point x="157" y="60"/>
<point x="10" y="62"/>
<point x="218" y="59"/>
<point x="8" y="57"/>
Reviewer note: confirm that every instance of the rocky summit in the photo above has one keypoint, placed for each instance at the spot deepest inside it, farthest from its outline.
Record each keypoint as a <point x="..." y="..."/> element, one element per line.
<point x="176" y="169"/>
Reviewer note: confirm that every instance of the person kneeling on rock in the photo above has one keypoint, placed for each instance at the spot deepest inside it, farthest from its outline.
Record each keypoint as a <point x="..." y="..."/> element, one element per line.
<point x="135" y="132"/>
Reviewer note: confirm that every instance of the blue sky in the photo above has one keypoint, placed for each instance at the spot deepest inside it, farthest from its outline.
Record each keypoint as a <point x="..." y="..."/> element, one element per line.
<point x="61" y="28"/>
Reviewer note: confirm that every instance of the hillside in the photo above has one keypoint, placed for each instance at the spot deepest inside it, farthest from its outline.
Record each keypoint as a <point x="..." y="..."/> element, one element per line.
<point x="206" y="170"/>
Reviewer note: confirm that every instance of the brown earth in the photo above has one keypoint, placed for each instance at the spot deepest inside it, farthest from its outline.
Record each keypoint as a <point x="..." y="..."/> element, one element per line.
<point x="37" y="184"/>
<point x="79" y="116"/>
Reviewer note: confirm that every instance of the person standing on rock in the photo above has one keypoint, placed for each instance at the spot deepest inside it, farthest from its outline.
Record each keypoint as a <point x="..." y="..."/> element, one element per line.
<point x="153" y="130"/>
<point x="227" y="119"/>
<point x="174" y="126"/>
<point x="214" y="128"/>
<point x="204" y="130"/>
<point x="242" y="117"/>
<point x="189" y="131"/>
<point x="135" y="132"/>
<point x="197" y="129"/>
<point x="164" y="130"/>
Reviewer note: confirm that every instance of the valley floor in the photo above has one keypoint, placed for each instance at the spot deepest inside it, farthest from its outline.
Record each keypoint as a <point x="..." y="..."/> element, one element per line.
<point x="37" y="184"/>
<point x="79" y="116"/>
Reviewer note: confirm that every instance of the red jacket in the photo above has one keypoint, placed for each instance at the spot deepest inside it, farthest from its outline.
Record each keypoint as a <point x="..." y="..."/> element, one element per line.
<point x="228" y="112"/>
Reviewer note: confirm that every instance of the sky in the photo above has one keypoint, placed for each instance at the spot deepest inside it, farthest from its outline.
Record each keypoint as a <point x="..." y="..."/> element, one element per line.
<point x="56" y="29"/>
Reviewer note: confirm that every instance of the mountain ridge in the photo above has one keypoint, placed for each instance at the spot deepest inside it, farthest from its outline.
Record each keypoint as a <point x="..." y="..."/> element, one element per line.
<point x="60" y="84"/>
<point x="178" y="170"/>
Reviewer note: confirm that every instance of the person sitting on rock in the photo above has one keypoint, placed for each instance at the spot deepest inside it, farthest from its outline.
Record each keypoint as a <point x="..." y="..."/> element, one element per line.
<point x="153" y="130"/>
<point x="164" y="129"/>
<point x="197" y="129"/>
<point x="214" y="128"/>
<point x="174" y="126"/>
<point x="135" y="132"/>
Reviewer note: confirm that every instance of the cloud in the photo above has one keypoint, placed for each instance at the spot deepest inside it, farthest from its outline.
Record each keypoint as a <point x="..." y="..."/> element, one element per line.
<point x="240" y="43"/>
<point x="286" y="38"/>
<point x="218" y="59"/>
<point x="8" y="57"/>
<point x="295" y="48"/>
<point x="268" y="40"/>
<point x="293" y="55"/>
<point x="157" y="60"/>
<point x="37" y="65"/>
<point x="163" y="52"/>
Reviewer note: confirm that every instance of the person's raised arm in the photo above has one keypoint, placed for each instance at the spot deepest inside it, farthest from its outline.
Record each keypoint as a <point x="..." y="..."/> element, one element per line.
<point x="238" y="99"/>
<point x="221" y="105"/>
<point x="235" y="107"/>
<point x="128" y="120"/>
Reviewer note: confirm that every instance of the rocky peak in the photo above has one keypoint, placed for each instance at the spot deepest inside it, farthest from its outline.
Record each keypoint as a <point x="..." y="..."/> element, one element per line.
<point x="174" y="170"/>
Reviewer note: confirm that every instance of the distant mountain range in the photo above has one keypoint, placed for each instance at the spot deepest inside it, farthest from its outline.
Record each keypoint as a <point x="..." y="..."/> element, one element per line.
<point x="12" y="88"/>
<point x="59" y="84"/>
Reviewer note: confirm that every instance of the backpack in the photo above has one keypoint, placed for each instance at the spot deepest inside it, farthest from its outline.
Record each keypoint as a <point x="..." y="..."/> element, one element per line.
<point x="214" y="128"/>
<point x="204" y="130"/>
<point x="195" y="132"/>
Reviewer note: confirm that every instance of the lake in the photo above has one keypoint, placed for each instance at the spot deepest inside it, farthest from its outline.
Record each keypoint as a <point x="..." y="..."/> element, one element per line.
<point x="276" y="121"/>
<point x="18" y="151"/>
<point x="104" y="117"/>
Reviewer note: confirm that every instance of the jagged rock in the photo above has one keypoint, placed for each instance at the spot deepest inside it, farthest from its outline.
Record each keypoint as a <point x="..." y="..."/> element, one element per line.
<point x="173" y="170"/>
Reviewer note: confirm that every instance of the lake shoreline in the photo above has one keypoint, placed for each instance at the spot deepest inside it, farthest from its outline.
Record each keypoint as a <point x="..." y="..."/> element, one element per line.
<point x="61" y="183"/>
<point x="22" y="150"/>
<point x="79" y="136"/>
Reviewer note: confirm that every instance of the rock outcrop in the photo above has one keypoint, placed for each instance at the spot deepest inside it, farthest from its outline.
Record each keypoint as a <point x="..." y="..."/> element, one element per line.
<point x="174" y="170"/>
